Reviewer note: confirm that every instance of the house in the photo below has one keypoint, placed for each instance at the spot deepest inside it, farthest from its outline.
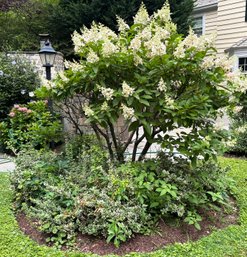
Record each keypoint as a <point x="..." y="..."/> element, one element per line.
<point x="228" y="19"/>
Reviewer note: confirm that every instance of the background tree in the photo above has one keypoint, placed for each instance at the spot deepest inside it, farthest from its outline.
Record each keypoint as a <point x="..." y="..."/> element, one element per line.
<point x="21" y="22"/>
<point x="69" y="16"/>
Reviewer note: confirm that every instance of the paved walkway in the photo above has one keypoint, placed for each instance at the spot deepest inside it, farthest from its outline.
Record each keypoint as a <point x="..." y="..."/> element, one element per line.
<point x="6" y="165"/>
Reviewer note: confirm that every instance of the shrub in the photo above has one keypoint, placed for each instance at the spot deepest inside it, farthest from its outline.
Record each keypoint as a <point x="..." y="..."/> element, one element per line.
<point x="17" y="80"/>
<point x="154" y="80"/>
<point x="87" y="193"/>
<point x="30" y="124"/>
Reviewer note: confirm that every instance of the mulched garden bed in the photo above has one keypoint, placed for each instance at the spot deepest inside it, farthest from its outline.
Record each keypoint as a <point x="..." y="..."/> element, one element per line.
<point x="165" y="235"/>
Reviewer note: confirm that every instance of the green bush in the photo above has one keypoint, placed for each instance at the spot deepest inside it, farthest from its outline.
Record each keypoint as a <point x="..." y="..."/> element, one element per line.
<point x="17" y="80"/>
<point x="30" y="124"/>
<point x="85" y="192"/>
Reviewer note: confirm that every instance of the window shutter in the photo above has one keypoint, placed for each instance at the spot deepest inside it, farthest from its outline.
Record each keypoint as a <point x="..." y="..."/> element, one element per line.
<point x="246" y="10"/>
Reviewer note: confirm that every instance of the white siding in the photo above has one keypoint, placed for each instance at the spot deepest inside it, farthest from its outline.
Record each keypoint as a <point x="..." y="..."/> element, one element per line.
<point x="231" y="25"/>
<point x="210" y="22"/>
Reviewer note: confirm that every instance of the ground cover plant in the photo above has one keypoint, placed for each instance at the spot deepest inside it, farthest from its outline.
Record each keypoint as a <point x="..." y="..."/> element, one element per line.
<point x="82" y="191"/>
<point x="230" y="241"/>
<point x="31" y="124"/>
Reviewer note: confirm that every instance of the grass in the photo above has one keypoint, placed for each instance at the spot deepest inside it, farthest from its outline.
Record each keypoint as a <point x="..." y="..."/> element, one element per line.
<point x="231" y="241"/>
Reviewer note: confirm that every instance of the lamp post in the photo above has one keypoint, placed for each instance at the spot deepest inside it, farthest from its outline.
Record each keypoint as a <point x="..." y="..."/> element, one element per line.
<point x="47" y="56"/>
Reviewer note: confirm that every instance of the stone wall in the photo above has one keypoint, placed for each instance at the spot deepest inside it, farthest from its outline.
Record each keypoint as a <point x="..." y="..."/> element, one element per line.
<point x="34" y="59"/>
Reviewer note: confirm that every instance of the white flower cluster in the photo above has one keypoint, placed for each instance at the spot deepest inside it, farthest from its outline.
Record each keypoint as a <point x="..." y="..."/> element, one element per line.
<point x="155" y="46"/>
<point x="128" y="113"/>
<point x="208" y="62"/>
<point x="135" y="43"/>
<point x="241" y="129"/>
<point x="107" y="93"/>
<point x="169" y="102"/>
<point x="74" y="66"/>
<point x="142" y="16"/>
<point x="176" y="83"/>
<point x="162" y="86"/>
<point x="109" y="48"/>
<point x="193" y="41"/>
<point x="87" y="110"/>
<point x="47" y="83"/>
<point x="92" y="57"/>
<point x="225" y="63"/>
<point x="63" y="77"/>
<point x="104" y="106"/>
<point x="97" y="32"/>
<point x="237" y="109"/>
<point x="127" y="90"/>
<point x="163" y="14"/>
<point x="122" y="25"/>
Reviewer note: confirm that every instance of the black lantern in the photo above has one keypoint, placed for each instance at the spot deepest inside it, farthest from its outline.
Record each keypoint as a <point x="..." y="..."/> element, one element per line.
<point x="47" y="55"/>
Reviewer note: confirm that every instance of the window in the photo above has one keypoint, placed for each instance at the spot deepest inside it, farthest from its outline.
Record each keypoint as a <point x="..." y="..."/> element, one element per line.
<point x="242" y="64"/>
<point x="198" y="25"/>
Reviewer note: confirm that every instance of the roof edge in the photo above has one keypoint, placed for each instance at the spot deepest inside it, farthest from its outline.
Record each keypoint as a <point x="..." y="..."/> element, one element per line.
<point x="209" y="7"/>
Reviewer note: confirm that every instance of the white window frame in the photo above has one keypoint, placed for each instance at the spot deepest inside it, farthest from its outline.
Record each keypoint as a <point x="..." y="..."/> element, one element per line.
<point x="203" y="21"/>
<point x="239" y="53"/>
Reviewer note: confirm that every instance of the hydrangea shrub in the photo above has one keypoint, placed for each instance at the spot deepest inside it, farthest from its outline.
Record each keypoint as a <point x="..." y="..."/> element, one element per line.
<point x="154" y="79"/>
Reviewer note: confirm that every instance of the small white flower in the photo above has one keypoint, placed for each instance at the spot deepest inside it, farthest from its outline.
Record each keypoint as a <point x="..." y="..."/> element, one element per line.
<point x="104" y="106"/>
<point x="1" y="73"/>
<point x="23" y="91"/>
<point x="142" y="16"/>
<point x="92" y="57"/>
<point x="200" y="157"/>
<point x="107" y="93"/>
<point x="162" y="86"/>
<point x="128" y="113"/>
<point x="63" y="77"/>
<point x="122" y="25"/>
<point x="13" y="62"/>
<point x="109" y="48"/>
<point x="127" y="90"/>
<point x="87" y="110"/>
<point x="31" y="94"/>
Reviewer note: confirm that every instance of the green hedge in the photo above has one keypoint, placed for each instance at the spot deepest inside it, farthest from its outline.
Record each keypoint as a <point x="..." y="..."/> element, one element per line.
<point x="231" y="241"/>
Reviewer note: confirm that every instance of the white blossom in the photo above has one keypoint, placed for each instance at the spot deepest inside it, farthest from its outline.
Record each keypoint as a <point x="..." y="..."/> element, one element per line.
<point x="135" y="43"/>
<point x="92" y="57"/>
<point x="78" y="41"/>
<point x="31" y="94"/>
<point x="127" y="90"/>
<point x="87" y="110"/>
<point x="74" y="66"/>
<point x="128" y="113"/>
<point x="208" y="62"/>
<point x="137" y="59"/>
<point x="1" y="73"/>
<point x="142" y="16"/>
<point x="122" y="25"/>
<point x="155" y="47"/>
<point x="109" y="48"/>
<point x="63" y="77"/>
<point x="162" y="86"/>
<point x="179" y="51"/>
<point x="163" y="14"/>
<point x="237" y="109"/>
<point x="104" y="106"/>
<point x="107" y="93"/>
<point x="169" y="102"/>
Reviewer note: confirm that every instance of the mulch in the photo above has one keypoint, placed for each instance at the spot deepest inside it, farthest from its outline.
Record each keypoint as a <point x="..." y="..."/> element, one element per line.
<point x="166" y="234"/>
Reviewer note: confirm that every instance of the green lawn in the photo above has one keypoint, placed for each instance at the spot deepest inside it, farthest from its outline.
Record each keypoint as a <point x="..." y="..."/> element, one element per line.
<point x="231" y="241"/>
